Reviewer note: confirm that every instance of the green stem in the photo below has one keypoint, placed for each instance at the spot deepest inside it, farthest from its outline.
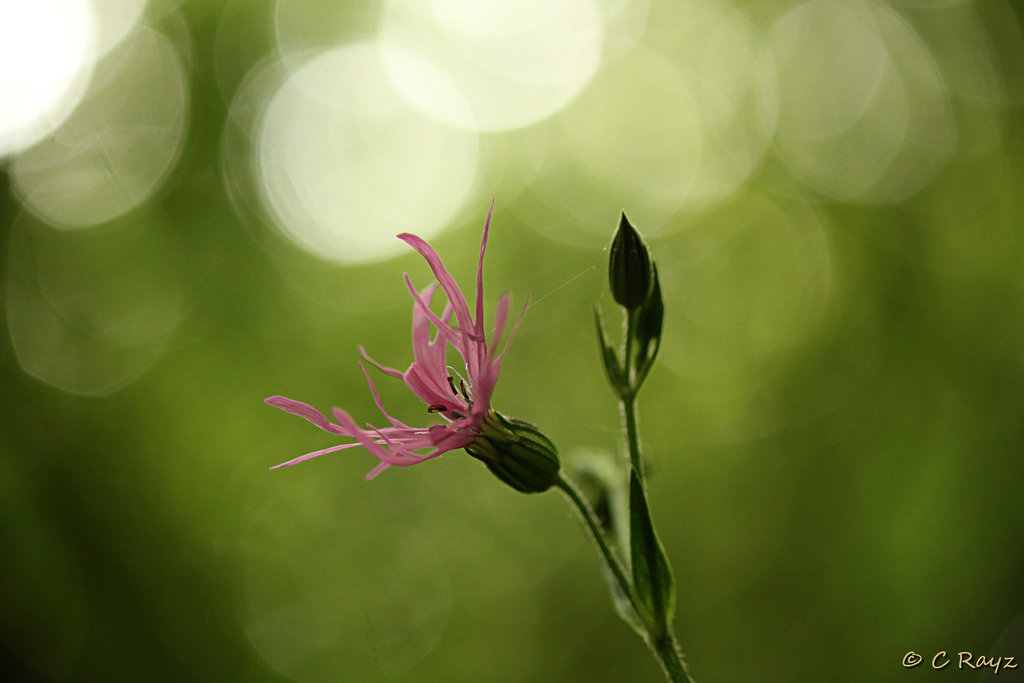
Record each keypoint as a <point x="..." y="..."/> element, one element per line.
<point x="628" y="407"/>
<point x="611" y="560"/>
<point x="671" y="661"/>
<point x="664" y="647"/>
<point x="627" y="398"/>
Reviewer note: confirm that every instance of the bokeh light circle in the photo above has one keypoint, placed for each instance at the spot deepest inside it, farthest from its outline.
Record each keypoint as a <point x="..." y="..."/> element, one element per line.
<point x="863" y="110"/>
<point x="346" y="164"/>
<point x="321" y="578"/>
<point x="674" y="125"/>
<point x="752" y="278"/>
<point x="305" y="25"/>
<point x="116" y="148"/>
<point x="45" y="56"/>
<point x="90" y="311"/>
<point x="515" y="62"/>
<point x="624" y="24"/>
<point x="115" y="20"/>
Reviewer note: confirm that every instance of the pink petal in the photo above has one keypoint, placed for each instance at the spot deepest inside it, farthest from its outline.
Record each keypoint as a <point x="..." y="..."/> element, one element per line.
<point x="401" y="450"/>
<point x="427" y="390"/>
<point x="450" y="334"/>
<point x="428" y="354"/>
<point x="376" y="399"/>
<point x="377" y="470"/>
<point x="420" y="321"/>
<point x="515" y="328"/>
<point x="448" y="438"/>
<point x="408" y="434"/>
<point x="304" y="410"/>
<point x="472" y="350"/>
<point x="315" y="454"/>
<point x="500" y="316"/>
<point x="383" y="368"/>
<point x="365" y="441"/>
<point x="448" y="283"/>
<point x="480" y="276"/>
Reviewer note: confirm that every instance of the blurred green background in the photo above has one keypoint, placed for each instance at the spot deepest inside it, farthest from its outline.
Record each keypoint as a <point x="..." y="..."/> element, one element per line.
<point x="199" y="208"/>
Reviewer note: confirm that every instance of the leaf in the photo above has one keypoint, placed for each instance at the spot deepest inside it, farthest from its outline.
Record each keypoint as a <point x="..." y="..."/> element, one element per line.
<point x="653" y="585"/>
<point x="622" y="604"/>
<point x="600" y="487"/>
<point x="611" y="360"/>
<point x="597" y="476"/>
<point x="648" y="331"/>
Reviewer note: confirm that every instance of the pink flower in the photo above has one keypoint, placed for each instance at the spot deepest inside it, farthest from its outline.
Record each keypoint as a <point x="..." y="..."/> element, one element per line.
<point x="462" y="398"/>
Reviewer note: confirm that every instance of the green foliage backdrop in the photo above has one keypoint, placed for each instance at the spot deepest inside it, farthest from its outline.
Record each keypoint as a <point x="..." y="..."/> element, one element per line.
<point x="835" y="425"/>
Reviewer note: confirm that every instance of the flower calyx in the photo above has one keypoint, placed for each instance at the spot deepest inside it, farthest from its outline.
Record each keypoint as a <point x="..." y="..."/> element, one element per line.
<point x="516" y="452"/>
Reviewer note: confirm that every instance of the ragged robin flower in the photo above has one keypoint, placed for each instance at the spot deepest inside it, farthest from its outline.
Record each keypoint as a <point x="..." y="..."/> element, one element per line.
<point x="461" y="396"/>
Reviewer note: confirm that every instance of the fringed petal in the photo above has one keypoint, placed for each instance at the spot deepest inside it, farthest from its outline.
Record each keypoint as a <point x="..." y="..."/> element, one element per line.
<point x="383" y="368"/>
<point x="305" y="411"/>
<point x="448" y="283"/>
<point x="315" y="454"/>
<point x="365" y="440"/>
<point x="372" y="474"/>
<point x="376" y="399"/>
<point x="480" y="276"/>
<point x="445" y="329"/>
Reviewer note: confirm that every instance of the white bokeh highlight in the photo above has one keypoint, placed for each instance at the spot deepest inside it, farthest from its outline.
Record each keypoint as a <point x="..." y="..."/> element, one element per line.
<point x="346" y="163"/>
<point x="863" y="109"/>
<point x="46" y="49"/>
<point x="676" y="124"/>
<point x="513" y="62"/>
<point x="90" y="311"/>
<point x="116" y="148"/>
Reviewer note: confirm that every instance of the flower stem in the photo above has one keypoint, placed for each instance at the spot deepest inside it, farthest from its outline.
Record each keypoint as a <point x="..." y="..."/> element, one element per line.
<point x="667" y="651"/>
<point x="627" y="396"/>
<point x="664" y="647"/>
<point x="628" y="407"/>
<point x="611" y="560"/>
<point x="662" y="644"/>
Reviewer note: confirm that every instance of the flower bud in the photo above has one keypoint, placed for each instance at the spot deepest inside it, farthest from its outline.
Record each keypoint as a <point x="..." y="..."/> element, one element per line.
<point x="629" y="267"/>
<point x="517" y="453"/>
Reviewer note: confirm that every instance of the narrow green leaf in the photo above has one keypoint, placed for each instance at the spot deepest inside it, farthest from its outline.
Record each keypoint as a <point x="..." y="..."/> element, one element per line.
<point x="622" y="604"/>
<point x="648" y="331"/>
<point x="599" y="477"/>
<point x="596" y="475"/>
<point x="612" y="367"/>
<point x="653" y="584"/>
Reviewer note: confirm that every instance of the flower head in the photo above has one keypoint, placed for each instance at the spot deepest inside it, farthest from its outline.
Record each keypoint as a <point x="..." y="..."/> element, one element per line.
<point x="460" y="397"/>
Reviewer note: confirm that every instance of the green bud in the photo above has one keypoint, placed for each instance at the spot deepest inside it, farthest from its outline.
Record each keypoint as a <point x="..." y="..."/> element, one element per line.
<point x="516" y="452"/>
<point x="629" y="267"/>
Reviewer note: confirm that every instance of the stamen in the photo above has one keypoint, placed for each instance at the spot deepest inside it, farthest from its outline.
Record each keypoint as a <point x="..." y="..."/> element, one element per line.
<point x="462" y="386"/>
<point x="437" y="408"/>
<point x="451" y="383"/>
